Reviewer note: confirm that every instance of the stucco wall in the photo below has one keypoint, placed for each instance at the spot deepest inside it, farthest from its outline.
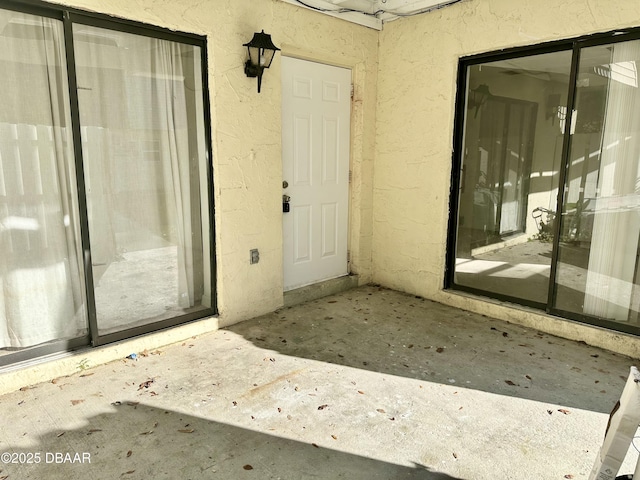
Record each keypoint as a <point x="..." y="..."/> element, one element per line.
<point x="246" y="130"/>
<point x="418" y="60"/>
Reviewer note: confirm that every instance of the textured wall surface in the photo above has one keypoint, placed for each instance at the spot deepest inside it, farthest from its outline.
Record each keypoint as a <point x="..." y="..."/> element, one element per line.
<point x="246" y="130"/>
<point x="416" y="98"/>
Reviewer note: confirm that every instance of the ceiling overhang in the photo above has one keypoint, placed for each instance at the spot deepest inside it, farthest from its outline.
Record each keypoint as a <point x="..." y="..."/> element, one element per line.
<point x="371" y="13"/>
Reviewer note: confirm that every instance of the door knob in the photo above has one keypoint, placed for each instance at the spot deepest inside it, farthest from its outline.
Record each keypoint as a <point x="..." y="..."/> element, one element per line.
<point x="285" y="184"/>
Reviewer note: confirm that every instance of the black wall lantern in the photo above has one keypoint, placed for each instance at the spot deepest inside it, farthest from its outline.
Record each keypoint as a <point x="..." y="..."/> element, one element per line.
<point x="261" y="52"/>
<point x="478" y="97"/>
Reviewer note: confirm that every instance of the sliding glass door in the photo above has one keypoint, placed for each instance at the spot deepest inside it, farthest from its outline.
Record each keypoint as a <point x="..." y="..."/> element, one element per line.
<point x="547" y="197"/>
<point x="509" y="173"/>
<point x="141" y="112"/>
<point x="41" y="277"/>
<point x="598" y="261"/>
<point x="105" y="210"/>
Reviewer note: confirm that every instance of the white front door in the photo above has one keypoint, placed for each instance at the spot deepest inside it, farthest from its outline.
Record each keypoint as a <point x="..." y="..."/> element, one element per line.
<point x="316" y="108"/>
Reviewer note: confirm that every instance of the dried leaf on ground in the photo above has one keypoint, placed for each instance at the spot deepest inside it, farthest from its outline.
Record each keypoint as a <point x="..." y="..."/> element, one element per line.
<point x="129" y="453"/>
<point x="322" y="407"/>
<point x="380" y="410"/>
<point x="76" y="402"/>
<point x="334" y="437"/>
<point x="509" y="382"/>
<point x="248" y="467"/>
<point x="86" y="374"/>
<point x="439" y="349"/>
<point x="315" y="445"/>
<point x="146" y="384"/>
<point x="562" y="410"/>
<point x="186" y="430"/>
<point x="360" y="392"/>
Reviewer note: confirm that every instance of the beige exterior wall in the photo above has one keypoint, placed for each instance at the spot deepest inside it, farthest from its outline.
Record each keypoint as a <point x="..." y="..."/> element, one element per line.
<point x="246" y="131"/>
<point x="416" y="99"/>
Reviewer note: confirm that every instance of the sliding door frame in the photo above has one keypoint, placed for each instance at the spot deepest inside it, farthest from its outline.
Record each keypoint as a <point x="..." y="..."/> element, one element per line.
<point x="69" y="17"/>
<point x="575" y="45"/>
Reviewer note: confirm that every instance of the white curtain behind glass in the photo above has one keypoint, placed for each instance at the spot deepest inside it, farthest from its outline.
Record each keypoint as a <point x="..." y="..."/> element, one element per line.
<point x="616" y="226"/>
<point x="142" y="183"/>
<point x="40" y="277"/>
<point x="174" y="147"/>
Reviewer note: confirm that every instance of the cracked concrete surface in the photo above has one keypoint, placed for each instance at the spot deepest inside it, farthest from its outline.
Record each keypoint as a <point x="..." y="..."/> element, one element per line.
<point x="369" y="383"/>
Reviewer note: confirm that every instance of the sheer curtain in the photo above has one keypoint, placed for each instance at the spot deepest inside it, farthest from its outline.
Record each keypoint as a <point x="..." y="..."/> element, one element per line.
<point x="143" y="180"/>
<point x="616" y="226"/>
<point x="41" y="294"/>
<point x="174" y="147"/>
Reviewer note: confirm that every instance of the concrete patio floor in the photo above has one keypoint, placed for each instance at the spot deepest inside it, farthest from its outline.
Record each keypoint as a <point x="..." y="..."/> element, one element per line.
<point x="366" y="384"/>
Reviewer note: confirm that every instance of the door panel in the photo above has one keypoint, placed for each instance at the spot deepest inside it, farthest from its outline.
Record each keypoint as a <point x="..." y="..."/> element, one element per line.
<point x="315" y="133"/>
<point x="510" y="175"/>
<point x="599" y="250"/>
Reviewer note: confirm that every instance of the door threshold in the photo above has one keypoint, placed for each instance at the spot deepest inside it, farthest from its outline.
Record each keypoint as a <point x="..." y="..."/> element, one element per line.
<point x="319" y="290"/>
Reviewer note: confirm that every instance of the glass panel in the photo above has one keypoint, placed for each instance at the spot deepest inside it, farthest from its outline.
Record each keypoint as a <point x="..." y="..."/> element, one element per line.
<point x="598" y="255"/>
<point x="512" y="146"/>
<point x="144" y="151"/>
<point x="41" y="283"/>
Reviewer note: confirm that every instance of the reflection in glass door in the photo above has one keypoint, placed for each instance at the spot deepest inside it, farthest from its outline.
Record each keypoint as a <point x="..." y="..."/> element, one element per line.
<point x="510" y="171"/>
<point x="507" y="130"/>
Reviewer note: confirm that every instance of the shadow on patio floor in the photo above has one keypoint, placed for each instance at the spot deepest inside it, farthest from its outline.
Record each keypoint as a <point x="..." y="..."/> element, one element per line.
<point x="138" y="441"/>
<point x="381" y="330"/>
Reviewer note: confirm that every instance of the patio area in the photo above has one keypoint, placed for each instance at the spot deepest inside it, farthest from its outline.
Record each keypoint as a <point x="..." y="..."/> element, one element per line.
<point x="366" y="384"/>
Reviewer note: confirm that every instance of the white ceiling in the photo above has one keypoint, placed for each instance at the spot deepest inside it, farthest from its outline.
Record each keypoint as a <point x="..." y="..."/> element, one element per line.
<point x="372" y="13"/>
